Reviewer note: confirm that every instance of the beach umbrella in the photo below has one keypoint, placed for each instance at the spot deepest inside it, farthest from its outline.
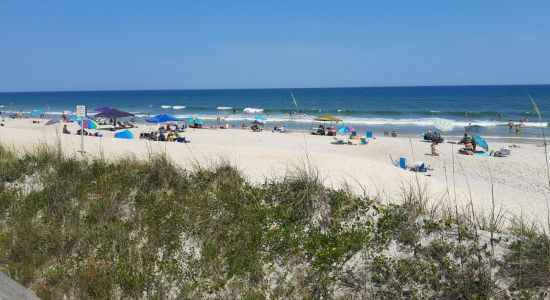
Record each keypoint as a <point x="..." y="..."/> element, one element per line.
<point x="102" y="109"/>
<point x="53" y="121"/>
<point x="163" y="118"/>
<point x="346" y="129"/>
<point x="114" y="113"/>
<point x="256" y="122"/>
<point x="480" y="141"/>
<point x="36" y="112"/>
<point x="89" y="124"/>
<point x="443" y="125"/>
<point x="260" y="119"/>
<point x="126" y="134"/>
<point x="198" y="122"/>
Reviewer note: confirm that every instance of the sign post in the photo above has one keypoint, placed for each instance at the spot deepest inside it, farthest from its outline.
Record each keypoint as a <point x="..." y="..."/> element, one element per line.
<point x="80" y="115"/>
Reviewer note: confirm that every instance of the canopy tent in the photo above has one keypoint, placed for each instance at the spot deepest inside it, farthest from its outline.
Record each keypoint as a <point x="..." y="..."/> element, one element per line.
<point x="480" y="141"/>
<point x="163" y="118"/>
<point x="102" y="109"/>
<point x="114" y="114"/>
<point x="126" y="134"/>
<point x="326" y="118"/>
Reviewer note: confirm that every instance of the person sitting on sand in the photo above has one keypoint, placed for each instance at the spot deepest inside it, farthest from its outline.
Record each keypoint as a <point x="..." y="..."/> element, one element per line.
<point x="172" y="136"/>
<point x="393" y="133"/>
<point x="65" y="130"/>
<point x="434" y="149"/>
<point x="80" y="131"/>
<point x="321" y="130"/>
<point x="465" y="140"/>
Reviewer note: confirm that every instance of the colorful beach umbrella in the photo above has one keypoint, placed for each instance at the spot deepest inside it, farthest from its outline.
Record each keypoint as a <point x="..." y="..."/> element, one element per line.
<point x="89" y="124"/>
<point x="126" y="134"/>
<point x="480" y="141"/>
<point x="346" y="129"/>
<point x="163" y="118"/>
<point x="53" y="121"/>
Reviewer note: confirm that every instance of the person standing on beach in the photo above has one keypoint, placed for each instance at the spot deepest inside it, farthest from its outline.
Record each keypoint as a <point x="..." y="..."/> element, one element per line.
<point x="510" y="125"/>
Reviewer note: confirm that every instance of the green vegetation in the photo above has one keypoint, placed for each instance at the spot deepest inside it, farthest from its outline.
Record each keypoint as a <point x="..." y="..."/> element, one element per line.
<point x="147" y="229"/>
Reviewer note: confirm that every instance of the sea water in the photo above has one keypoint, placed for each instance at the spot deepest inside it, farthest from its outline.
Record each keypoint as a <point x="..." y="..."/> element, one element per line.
<point x="407" y="110"/>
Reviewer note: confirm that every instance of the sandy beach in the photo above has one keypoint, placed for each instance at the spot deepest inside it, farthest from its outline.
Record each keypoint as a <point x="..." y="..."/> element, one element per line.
<point x="519" y="182"/>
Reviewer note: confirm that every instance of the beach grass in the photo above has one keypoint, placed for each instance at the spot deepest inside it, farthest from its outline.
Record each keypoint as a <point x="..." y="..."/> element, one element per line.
<point x="92" y="228"/>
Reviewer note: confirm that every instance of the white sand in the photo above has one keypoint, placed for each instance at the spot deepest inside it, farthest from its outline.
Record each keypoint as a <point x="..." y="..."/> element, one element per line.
<point x="520" y="181"/>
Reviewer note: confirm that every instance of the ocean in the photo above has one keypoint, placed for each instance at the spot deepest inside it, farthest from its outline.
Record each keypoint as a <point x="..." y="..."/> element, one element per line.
<point x="408" y="110"/>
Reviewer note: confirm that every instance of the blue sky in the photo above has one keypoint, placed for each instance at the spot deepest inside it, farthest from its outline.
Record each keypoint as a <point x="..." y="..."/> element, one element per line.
<point x="105" y="45"/>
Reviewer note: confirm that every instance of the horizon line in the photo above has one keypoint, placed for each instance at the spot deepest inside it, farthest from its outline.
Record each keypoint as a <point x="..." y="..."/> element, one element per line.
<point x="278" y="88"/>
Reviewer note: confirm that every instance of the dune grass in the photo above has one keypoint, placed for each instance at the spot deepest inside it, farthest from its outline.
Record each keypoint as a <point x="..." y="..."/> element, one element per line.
<point x="91" y="228"/>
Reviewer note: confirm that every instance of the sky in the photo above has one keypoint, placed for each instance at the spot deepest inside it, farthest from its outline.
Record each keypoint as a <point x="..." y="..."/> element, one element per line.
<point x="115" y="45"/>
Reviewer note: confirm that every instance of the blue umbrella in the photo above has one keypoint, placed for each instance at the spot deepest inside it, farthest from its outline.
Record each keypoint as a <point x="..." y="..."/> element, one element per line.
<point x="36" y="112"/>
<point x="480" y="141"/>
<point x="198" y="122"/>
<point x="260" y="119"/>
<point x="163" y="118"/>
<point x="126" y="134"/>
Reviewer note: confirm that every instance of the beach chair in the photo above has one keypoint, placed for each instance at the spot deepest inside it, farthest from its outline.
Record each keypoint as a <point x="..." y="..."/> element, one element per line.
<point x="403" y="163"/>
<point x="364" y="141"/>
<point x="505" y="152"/>
<point x="338" y="142"/>
<point x="369" y="134"/>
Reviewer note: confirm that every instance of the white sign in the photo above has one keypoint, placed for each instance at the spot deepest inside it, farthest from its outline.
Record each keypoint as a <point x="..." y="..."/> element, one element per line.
<point x="80" y="111"/>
